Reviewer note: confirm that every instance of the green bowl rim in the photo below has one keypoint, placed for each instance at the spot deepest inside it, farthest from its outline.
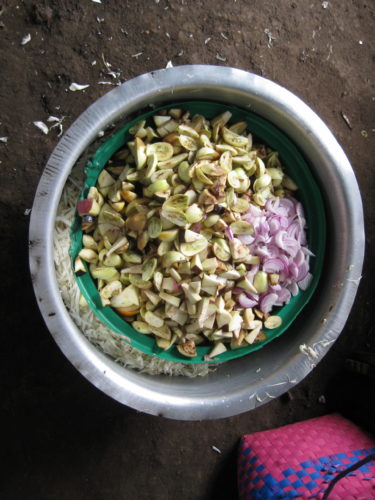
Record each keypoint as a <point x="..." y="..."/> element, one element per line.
<point x="313" y="205"/>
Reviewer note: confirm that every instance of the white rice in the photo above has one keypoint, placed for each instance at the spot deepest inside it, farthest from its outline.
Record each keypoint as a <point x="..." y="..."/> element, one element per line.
<point x="107" y="341"/>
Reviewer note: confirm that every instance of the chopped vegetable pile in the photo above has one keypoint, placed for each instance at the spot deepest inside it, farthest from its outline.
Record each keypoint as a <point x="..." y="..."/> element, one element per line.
<point x="193" y="234"/>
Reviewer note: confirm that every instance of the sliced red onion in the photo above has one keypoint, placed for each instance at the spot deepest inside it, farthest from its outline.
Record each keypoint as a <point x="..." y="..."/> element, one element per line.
<point x="286" y="261"/>
<point x="307" y="251"/>
<point x="273" y="204"/>
<point x="284" y="295"/>
<point x="245" y="301"/>
<point x="268" y="250"/>
<point x="262" y="251"/>
<point x="303" y="271"/>
<point x="250" y="274"/>
<point x="176" y="286"/>
<point x="293" y="288"/>
<point x="285" y="258"/>
<point x="275" y="288"/>
<point x="284" y="222"/>
<point x="291" y="246"/>
<point x="274" y="265"/>
<point x="299" y="210"/>
<point x="250" y="295"/>
<point x="273" y="251"/>
<point x="196" y="227"/>
<point x="293" y="271"/>
<point x="305" y="282"/>
<point x="279" y="239"/>
<point x="229" y="233"/>
<point x="246" y="239"/>
<point x="302" y="221"/>
<point x="274" y="225"/>
<point x="299" y="258"/>
<point x="255" y="211"/>
<point x="264" y="227"/>
<point x="267" y="302"/>
<point x="261" y="238"/>
<point x="294" y="231"/>
<point x="279" y="208"/>
<point x="288" y="204"/>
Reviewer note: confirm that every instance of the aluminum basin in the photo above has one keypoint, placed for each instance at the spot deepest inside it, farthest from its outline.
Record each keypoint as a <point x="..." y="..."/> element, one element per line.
<point x="243" y="384"/>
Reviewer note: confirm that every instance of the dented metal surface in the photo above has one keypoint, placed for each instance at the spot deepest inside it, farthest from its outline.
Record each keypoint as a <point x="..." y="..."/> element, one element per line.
<point x="236" y="386"/>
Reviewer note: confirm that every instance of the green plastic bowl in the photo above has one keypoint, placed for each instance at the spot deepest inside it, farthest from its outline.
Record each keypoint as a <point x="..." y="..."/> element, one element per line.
<point x="308" y="193"/>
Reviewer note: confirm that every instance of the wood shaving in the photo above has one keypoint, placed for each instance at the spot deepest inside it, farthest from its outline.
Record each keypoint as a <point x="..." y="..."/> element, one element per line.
<point x="270" y="37"/>
<point x="42" y="126"/>
<point x="355" y="281"/>
<point x="107" y="64"/>
<point x="220" y="58"/>
<point x="324" y="343"/>
<point x="329" y="52"/>
<point x="270" y="395"/>
<point x="77" y="86"/>
<point x="214" y="448"/>
<point x="57" y="123"/>
<point x="26" y="39"/>
<point x="97" y="333"/>
<point x="346" y="120"/>
<point x="113" y="74"/>
<point x="277" y="384"/>
<point x="309" y="351"/>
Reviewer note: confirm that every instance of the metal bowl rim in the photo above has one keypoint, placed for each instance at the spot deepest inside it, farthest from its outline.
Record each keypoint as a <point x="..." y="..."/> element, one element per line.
<point x="152" y="394"/>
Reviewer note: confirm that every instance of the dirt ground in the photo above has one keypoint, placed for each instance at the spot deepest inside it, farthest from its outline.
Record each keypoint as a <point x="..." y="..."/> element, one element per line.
<point x="61" y="437"/>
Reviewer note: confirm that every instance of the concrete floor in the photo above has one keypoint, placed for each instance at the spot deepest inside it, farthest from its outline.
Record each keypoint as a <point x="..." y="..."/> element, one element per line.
<point x="61" y="437"/>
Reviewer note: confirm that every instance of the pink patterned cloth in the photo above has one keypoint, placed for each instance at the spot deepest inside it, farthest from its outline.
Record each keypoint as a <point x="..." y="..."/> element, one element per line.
<point x="299" y="461"/>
